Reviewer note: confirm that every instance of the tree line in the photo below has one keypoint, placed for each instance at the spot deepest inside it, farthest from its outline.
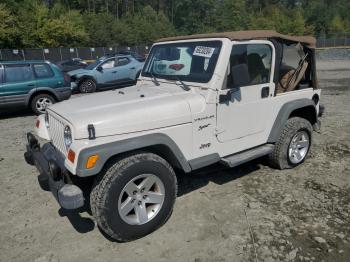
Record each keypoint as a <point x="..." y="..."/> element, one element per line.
<point x="55" y="23"/>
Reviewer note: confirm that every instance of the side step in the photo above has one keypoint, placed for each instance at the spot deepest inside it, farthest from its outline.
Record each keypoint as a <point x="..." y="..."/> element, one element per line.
<point x="240" y="158"/>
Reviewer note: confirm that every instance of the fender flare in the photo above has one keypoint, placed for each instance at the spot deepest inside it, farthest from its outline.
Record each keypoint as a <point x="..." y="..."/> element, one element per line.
<point x="107" y="151"/>
<point x="80" y="78"/>
<point x="33" y="91"/>
<point x="284" y="114"/>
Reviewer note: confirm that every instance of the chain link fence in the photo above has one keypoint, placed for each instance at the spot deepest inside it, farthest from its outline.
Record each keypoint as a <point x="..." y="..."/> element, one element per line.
<point x="65" y="53"/>
<point x="333" y="42"/>
<point x="92" y="53"/>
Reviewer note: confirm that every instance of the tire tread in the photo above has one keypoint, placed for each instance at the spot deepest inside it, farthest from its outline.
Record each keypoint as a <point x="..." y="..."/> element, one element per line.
<point x="104" y="181"/>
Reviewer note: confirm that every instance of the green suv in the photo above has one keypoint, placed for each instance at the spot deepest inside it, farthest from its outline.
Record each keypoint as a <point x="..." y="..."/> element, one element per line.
<point x="33" y="84"/>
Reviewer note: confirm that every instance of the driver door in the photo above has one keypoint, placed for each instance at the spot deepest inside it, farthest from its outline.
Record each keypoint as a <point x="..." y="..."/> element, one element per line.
<point x="244" y="103"/>
<point x="108" y="74"/>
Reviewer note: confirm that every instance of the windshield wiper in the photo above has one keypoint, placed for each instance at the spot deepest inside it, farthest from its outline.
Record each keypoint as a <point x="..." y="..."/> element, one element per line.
<point x="183" y="85"/>
<point x="154" y="79"/>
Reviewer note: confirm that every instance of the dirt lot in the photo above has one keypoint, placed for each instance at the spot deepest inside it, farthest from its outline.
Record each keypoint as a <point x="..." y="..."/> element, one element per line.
<point x="249" y="213"/>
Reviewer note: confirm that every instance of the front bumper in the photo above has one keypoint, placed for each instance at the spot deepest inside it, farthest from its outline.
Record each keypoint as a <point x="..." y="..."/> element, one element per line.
<point x="64" y="93"/>
<point x="50" y="165"/>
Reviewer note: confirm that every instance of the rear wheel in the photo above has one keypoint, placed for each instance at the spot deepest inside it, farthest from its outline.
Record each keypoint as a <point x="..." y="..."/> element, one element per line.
<point x="40" y="102"/>
<point x="293" y="145"/>
<point x="87" y="86"/>
<point x="134" y="196"/>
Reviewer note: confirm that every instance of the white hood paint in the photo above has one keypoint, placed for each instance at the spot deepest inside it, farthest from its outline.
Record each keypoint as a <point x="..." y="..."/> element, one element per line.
<point x="133" y="109"/>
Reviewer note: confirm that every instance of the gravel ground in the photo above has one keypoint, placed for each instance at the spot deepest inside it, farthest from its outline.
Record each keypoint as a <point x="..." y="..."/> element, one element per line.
<point x="248" y="213"/>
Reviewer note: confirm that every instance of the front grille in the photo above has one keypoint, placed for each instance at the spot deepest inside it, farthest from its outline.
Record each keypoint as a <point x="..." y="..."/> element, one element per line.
<point x="56" y="130"/>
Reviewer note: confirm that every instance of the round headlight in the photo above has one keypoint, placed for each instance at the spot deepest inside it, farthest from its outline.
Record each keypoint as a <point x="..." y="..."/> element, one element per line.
<point x="47" y="120"/>
<point x="67" y="136"/>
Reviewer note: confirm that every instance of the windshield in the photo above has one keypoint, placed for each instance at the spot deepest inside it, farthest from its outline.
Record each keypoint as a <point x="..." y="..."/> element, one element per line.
<point x="93" y="65"/>
<point x="188" y="61"/>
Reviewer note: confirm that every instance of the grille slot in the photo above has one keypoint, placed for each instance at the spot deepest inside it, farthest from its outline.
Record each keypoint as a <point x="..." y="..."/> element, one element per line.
<point x="57" y="134"/>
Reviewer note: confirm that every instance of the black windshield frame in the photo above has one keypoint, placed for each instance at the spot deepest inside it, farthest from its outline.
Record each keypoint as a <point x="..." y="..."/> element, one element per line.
<point x="192" y="77"/>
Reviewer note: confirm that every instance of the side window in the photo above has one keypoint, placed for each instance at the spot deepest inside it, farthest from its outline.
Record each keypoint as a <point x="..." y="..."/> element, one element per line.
<point x="18" y="73"/>
<point x="42" y="70"/>
<point x="250" y="64"/>
<point x="108" y="64"/>
<point x="123" y="61"/>
<point x="290" y="57"/>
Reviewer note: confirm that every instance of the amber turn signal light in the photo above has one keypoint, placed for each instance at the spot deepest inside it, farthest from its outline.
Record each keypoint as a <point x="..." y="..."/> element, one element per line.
<point x="37" y="124"/>
<point x="71" y="155"/>
<point x="90" y="163"/>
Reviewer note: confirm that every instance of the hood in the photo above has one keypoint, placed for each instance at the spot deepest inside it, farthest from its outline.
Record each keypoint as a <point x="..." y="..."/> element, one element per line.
<point x="78" y="72"/>
<point x="127" y="110"/>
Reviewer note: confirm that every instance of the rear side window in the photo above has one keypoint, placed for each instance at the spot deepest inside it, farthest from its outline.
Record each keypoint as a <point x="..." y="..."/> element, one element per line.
<point x="123" y="61"/>
<point x="42" y="70"/>
<point x="18" y="73"/>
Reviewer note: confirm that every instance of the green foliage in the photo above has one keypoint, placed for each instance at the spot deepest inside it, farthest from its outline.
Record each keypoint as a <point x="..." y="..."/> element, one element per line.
<point x="144" y="27"/>
<point x="53" y="23"/>
<point x="285" y="21"/>
<point x="102" y="29"/>
<point x="339" y="26"/>
<point x="232" y="16"/>
<point x="8" y="24"/>
<point x="40" y="26"/>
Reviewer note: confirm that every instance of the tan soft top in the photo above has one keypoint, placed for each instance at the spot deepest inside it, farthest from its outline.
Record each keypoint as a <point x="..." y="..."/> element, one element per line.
<point x="309" y="41"/>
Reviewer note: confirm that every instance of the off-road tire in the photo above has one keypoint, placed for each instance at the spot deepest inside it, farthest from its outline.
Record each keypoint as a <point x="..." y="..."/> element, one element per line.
<point x="110" y="183"/>
<point x="279" y="157"/>
<point x="87" y="86"/>
<point x="36" y="98"/>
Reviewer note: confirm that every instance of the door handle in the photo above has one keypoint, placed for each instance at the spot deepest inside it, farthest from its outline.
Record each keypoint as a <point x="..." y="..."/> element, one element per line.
<point x="30" y="85"/>
<point x="132" y="68"/>
<point x="114" y="72"/>
<point x="265" y="91"/>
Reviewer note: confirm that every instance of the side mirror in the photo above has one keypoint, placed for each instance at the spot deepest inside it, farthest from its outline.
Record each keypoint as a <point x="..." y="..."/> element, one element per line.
<point x="225" y="98"/>
<point x="99" y="68"/>
<point x="240" y="75"/>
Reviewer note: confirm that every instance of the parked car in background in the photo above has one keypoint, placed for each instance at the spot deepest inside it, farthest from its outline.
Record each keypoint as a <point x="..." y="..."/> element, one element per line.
<point x="106" y="72"/>
<point x="71" y="64"/>
<point x="33" y="84"/>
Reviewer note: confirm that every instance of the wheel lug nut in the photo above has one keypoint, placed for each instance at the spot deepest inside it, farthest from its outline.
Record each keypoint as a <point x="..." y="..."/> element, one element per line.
<point x="134" y="193"/>
<point x="132" y="201"/>
<point x="145" y="196"/>
<point x="140" y="203"/>
<point x="142" y="190"/>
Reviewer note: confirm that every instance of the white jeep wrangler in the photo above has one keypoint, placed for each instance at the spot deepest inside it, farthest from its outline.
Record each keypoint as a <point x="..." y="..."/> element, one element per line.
<point x="232" y="97"/>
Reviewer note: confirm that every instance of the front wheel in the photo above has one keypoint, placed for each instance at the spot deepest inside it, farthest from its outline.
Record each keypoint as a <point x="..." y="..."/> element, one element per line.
<point x="293" y="145"/>
<point x="87" y="86"/>
<point x="134" y="196"/>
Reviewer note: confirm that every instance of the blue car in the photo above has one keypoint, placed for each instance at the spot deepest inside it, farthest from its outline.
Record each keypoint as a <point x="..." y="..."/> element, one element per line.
<point x="106" y="72"/>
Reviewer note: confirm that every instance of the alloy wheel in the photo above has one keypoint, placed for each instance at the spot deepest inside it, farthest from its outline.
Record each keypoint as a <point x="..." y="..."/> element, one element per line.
<point x="141" y="199"/>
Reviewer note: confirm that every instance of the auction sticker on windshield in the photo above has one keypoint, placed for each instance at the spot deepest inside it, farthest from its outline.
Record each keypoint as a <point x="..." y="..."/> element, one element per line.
<point x="204" y="51"/>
